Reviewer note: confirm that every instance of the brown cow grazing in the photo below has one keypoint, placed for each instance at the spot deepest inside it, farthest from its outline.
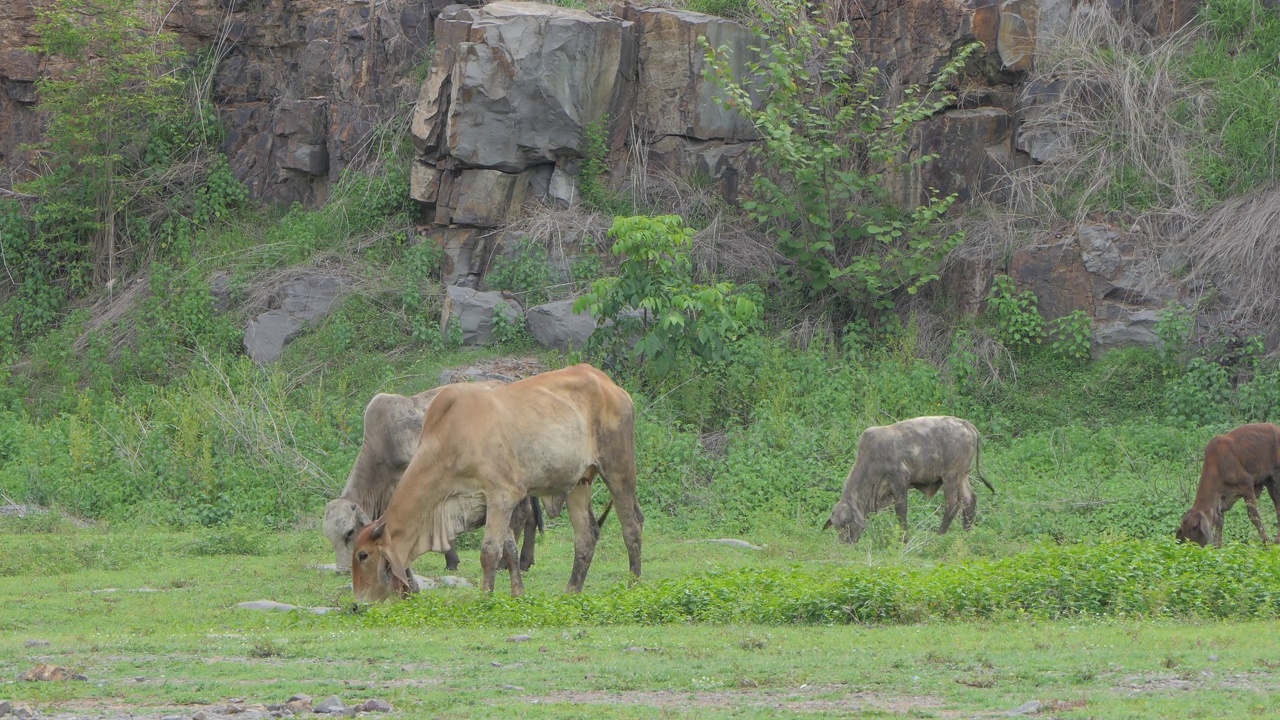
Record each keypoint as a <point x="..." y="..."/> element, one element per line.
<point x="1235" y="466"/>
<point x="549" y="434"/>
<point x="925" y="453"/>
<point x="392" y="427"/>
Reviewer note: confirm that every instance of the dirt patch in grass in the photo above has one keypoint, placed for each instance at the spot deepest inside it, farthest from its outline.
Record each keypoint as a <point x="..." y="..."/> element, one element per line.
<point x="815" y="698"/>
<point x="1200" y="680"/>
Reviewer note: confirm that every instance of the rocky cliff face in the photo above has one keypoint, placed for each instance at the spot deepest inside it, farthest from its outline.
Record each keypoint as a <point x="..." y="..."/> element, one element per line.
<point x="300" y="85"/>
<point x="303" y="82"/>
<point x="513" y="88"/>
<point x="19" y="70"/>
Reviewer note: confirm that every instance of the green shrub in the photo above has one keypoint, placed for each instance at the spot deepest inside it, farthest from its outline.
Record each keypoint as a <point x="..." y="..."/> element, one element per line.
<point x="1104" y="579"/>
<point x="524" y="270"/>
<point x="1072" y="335"/>
<point x="733" y="9"/>
<point x="830" y="140"/>
<point x="654" y="303"/>
<point x="1237" y="56"/>
<point x="1018" y="323"/>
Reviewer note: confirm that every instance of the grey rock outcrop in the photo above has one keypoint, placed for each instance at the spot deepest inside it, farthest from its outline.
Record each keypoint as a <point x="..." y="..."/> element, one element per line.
<point x="555" y="325"/>
<point x="673" y="97"/>
<point x="494" y="69"/>
<point x="498" y="66"/>
<point x="474" y="312"/>
<point x="330" y="705"/>
<point x="295" y="305"/>
<point x="1102" y="272"/>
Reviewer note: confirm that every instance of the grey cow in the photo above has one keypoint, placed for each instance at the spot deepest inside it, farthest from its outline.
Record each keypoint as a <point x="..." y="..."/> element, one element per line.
<point x="392" y="427"/>
<point x="925" y="453"/>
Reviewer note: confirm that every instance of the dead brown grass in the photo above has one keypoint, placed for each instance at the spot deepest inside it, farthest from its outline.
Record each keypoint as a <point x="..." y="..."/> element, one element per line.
<point x="1128" y="126"/>
<point x="1235" y="249"/>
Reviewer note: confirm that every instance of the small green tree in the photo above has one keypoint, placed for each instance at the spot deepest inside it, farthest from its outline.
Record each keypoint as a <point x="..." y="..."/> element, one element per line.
<point x="117" y="110"/>
<point x="829" y="140"/>
<point x="654" y="303"/>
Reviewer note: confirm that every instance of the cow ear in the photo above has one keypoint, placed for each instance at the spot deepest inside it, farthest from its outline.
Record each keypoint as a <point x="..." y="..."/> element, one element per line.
<point x="398" y="572"/>
<point x="1206" y="528"/>
<point x="378" y="529"/>
<point x="827" y="526"/>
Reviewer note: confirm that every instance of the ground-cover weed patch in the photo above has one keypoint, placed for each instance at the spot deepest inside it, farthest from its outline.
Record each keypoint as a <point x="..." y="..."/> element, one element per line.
<point x="1106" y="579"/>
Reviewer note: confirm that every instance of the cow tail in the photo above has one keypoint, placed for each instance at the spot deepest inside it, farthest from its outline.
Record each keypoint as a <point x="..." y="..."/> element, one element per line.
<point x="538" y="520"/>
<point x="977" y="460"/>
<point x="607" y="507"/>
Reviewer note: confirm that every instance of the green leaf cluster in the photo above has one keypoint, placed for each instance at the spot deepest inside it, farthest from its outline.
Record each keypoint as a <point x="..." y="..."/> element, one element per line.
<point x="653" y="311"/>
<point x="831" y="141"/>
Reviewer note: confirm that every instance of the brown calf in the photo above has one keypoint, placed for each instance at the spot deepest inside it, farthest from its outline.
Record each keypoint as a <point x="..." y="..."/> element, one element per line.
<point x="1235" y="466"/>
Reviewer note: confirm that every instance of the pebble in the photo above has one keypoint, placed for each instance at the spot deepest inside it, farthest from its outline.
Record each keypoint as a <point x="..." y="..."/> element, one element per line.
<point x="1026" y="708"/>
<point x="273" y="605"/>
<point x="35" y="643"/>
<point x="300" y="697"/>
<point x="266" y="605"/>
<point x="376" y="706"/>
<point x="519" y="638"/>
<point x="732" y="541"/>
<point x="330" y="705"/>
<point x="5" y="707"/>
<point x="513" y="687"/>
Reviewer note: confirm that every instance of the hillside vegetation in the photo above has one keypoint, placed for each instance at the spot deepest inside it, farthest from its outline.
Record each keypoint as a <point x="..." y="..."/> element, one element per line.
<point x="132" y="405"/>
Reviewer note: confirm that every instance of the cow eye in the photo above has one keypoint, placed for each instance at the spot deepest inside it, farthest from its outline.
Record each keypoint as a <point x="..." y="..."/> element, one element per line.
<point x="363" y="556"/>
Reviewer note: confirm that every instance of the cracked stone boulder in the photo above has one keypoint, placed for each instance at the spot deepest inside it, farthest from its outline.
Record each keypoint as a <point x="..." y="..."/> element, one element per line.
<point x="556" y="325"/>
<point x="495" y="70"/>
<point x="1102" y="272"/>
<point x="474" y="312"/>
<point x="672" y="95"/>
<point x="296" y="305"/>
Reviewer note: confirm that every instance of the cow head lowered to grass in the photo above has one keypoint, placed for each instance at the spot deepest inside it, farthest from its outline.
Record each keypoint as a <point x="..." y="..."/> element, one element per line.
<point x="548" y="434"/>
<point x="376" y="571"/>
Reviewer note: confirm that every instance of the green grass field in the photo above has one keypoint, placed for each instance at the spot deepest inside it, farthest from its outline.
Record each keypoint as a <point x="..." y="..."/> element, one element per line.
<point x="151" y="619"/>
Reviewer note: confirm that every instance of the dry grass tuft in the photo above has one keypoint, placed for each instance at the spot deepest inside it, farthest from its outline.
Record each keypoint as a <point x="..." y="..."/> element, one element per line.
<point x="1236" y="250"/>
<point x="1128" y="126"/>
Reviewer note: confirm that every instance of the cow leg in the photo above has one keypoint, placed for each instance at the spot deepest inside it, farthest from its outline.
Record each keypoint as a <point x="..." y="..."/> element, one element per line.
<point x="970" y="509"/>
<point x="900" y="504"/>
<point x="1271" y="490"/>
<point x="451" y="558"/>
<point x="952" y="497"/>
<point x="511" y="560"/>
<point x="497" y="528"/>
<point x="619" y="476"/>
<point x="529" y="523"/>
<point x="585" y="535"/>
<point x="1251" y="503"/>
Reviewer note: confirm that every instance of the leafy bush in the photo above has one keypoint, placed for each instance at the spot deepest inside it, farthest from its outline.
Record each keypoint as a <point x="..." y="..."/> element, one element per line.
<point x="592" y="184"/>
<point x="1105" y="579"/>
<point x="124" y="154"/>
<point x="654" y="302"/>
<point x="830" y="139"/>
<point x="524" y="270"/>
<point x="1072" y="335"/>
<point x="1174" y="326"/>
<point x="1018" y="324"/>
